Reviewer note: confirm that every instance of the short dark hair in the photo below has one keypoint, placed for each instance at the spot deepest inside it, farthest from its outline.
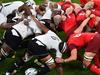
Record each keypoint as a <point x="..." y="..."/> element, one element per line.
<point x="26" y="9"/>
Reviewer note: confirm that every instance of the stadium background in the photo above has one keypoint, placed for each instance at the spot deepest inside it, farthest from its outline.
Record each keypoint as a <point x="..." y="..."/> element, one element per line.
<point x="72" y="68"/>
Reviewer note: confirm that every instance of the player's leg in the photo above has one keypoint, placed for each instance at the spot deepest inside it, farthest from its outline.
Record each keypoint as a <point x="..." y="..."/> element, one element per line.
<point x="4" y="51"/>
<point x="49" y="64"/>
<point x="96" y="60"/>
<point x="13" y="68"/>
<point x="11" y="42"/>
<point x="88" y="56"/>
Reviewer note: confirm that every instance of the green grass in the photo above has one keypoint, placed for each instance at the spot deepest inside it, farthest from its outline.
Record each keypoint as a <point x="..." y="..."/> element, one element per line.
<point x="72" y="68"/>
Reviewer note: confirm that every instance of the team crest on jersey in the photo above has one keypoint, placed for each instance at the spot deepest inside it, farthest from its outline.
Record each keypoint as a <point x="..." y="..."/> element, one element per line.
<point x="54" y="38"/>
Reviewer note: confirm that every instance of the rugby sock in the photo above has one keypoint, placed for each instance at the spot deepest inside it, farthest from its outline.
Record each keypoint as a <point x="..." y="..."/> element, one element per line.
<point x="94" y="68"/>
<point x="43" y="70"/>
<point x="96" y="60"/>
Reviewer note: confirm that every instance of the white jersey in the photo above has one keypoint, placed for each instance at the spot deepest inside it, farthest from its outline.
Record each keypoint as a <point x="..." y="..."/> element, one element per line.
<point x="33" y="10"/>
<point x="11" y="6"/>
<point x="47" y="14"/>
<point x="25" y="30"/>
<point x="51" y="40"/>
<point x="3" y="19"/>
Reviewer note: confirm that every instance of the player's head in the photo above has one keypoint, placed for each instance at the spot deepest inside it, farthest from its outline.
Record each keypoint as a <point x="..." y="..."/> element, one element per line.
<point x="63" y="47"/>
<point x="40" y="9"/>
<point x="30" y="2"/>
<point x="25" y="10"/>
<point x="57" y="19"/>
<point x="89" y="5"/>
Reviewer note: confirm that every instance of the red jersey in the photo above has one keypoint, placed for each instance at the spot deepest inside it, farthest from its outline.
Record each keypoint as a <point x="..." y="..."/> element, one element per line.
<point x="60" y="3"/>
<point x="66" y="5"/>
<point x="83" y="2"/>
<point x="96" y="11"/>
<point x="97" y="3"/>
<point x="68" y="24"/>
<point x="96" y="8"/>
<point x="81" y="16"/>
<point x="80" y="39"/>
<point x="92" y="22"/>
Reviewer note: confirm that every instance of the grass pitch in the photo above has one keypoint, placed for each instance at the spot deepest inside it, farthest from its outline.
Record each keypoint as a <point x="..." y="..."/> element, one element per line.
<point x="72" y="68"/>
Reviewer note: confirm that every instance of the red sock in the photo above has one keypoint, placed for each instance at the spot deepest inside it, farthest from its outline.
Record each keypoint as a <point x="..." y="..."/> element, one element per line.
<point x="96" y="60"/>
<point x="94" y="68"/>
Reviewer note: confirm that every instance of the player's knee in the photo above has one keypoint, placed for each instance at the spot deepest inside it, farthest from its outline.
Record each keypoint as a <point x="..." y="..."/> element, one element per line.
<point x="50" y="62"/>
<point x="88" y="57"/>
<point x="5" y="50"/>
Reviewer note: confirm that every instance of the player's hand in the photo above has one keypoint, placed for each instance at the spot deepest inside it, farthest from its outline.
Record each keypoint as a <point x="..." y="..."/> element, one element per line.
<point x="59" y="60"/>
<point x="92" y="15"/>
<point x="65" y="60"/>
<point x="69" y="10"/>
<point x="63" y="18"/>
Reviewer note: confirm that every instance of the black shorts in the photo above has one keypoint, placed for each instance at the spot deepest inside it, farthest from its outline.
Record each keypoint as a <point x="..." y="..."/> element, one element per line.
<point x="38" y="50"/>
<point x="11" y="40"/>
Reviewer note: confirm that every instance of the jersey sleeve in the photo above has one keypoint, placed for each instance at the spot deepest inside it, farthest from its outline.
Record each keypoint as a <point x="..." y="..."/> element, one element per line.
<point x="72" y="46"/>
<point x="3" y="19"/>
<point x="58" y="54"/>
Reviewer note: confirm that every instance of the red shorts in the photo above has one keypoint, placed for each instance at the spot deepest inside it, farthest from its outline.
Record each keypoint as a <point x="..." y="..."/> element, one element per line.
<point x="94" y="44"/>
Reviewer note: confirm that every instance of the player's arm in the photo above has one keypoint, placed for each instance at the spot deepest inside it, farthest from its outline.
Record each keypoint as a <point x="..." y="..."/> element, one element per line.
<point x="81" y="27"/>
<point x="88" y="5"/>
<point x="73" y="55"/>
<point x="40" y="25"/>
<point x="6" y="25"/>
